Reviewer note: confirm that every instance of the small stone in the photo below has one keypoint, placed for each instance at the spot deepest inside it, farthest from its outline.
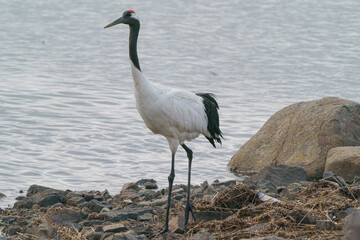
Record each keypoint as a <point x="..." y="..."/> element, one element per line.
<point x="129" y="235"/>
<point x="21" y="191"/>
<point x="2" y="195"/>
<point x="66" y="215"/>
<point x="19" y="198"/>
<point x="177" y="224"/>
<point x="24" y="203"/>
<point x="94" y="205"/>
<point x="145" y="217"/>
<point x="204" y="235"/>
<point x="130" y="186"/>
<point x="117" y="215"/>
<point x="325" y="225"/>
<point x="116" y="228"/>
<point x="93" y="235"/>
<point x="91" y="223"/>
<point x="150" y="185"/>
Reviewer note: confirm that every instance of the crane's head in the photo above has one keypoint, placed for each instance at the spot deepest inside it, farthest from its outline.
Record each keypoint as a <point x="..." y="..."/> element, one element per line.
<point x="129" y="17"/>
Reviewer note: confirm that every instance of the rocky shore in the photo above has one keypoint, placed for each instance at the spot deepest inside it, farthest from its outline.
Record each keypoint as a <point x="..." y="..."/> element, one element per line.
<point x="276" y="203"/>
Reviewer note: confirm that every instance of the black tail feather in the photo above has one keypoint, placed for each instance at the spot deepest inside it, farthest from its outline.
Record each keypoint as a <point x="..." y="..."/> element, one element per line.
<point x="211" y="109"/>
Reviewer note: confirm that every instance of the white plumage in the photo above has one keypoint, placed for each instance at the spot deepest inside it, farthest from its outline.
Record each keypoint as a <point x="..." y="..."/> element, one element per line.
<point x="177" y="115"/>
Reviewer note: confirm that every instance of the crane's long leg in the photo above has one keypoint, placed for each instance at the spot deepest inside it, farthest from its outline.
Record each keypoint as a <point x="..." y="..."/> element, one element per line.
<point x="171" y="180"/>
<point x="189" y="207"/>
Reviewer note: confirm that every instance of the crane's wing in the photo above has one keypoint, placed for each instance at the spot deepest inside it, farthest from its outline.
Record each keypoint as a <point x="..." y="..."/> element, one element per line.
<point x="184" y="110"/>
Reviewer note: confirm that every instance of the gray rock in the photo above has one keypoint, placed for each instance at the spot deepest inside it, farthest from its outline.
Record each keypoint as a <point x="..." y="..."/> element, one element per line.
<point x="91" y="223"/>
<point x="145" y="217"/>
<point x="204" y="235"/>
<point x="177" y="224"/>
<point x="129" y="235"/>
<point x="2" y="195"/>
<point x="344" y="162"/>
<point x="351" y="226"/>
<point x="130" y="186"/>
<point x="115" y="228"/>
<point x="65" y="216"/>
<point x="330" y="176"/>
<point x="95" y="205"/>
<point x="265" y="186"/>
<point x="301" y="135"/>
<point x="24" y="203"/>
<point x="48" y="197"/>
<point x="281" y="175"/>
<point x="325" y="225"/>
<point x="117" y="215"/>
<point x="34" y="189"/>
<point x="93" y="235"/>
<point x="226" y="183"/>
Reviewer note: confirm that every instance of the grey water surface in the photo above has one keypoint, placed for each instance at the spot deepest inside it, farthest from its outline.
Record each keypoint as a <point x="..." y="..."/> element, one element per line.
<point x="67" y="110"/>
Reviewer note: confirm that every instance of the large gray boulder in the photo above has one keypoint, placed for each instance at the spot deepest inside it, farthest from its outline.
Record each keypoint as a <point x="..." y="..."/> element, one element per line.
<point x="344" y="161"/>
<point x="301" y="135"/>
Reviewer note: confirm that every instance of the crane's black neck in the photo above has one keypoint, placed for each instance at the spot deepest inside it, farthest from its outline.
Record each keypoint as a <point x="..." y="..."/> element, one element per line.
<point x="134" y="33"/>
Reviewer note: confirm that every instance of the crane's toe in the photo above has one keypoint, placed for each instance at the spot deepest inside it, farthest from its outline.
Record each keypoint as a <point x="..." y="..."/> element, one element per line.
<point x="189" y="208"/>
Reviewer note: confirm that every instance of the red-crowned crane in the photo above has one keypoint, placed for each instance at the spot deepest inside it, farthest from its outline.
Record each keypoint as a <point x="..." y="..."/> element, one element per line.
<point x="177" y="115"/>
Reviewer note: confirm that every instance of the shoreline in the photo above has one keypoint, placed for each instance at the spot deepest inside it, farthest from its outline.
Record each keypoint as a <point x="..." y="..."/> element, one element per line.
<point x="223" y="210"/>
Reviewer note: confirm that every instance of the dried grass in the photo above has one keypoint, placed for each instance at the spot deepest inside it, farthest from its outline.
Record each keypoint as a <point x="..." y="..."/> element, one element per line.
<point x="288" y="219"/>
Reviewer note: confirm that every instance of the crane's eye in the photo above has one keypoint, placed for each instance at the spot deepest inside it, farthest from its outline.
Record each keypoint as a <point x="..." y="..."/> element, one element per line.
<point x="128" y="14"/>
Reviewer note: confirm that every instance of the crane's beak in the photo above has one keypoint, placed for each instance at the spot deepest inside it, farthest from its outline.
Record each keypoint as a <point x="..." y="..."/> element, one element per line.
<point x="117" y="21"/>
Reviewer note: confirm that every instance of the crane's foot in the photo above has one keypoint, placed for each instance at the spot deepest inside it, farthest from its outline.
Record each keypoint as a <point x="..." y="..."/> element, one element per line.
<point x="189" y="208"/>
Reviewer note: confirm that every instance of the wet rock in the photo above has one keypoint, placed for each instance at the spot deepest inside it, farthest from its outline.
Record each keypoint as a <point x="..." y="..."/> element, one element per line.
<point x="157" y="202"/>
<point x="212" y="215"/>
<point x="115" y="228"/>
<point x="325" y="225"/>
<point x="301" y="135"/>
<point x="2" y="195"/>
<point x="226" y="183"/>
<point x="34" y="189"/>
<point x="95" y="205"/>
<point x="130" y="186"/>
<point x="117" y="215"/>
<point x="177" y="224"/>
<point x="148" y="183"/>
<point x="74" y="199"/>
<point x="281" y="175"/>
<point x="204" y="235"/>
<point x="24" y="203"/>
<point x="48" y="197"/>
<point x="65" y="215"/>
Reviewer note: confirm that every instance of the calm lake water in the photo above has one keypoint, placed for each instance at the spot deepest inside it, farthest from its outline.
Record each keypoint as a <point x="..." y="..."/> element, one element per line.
<point x="67" y="110"/>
